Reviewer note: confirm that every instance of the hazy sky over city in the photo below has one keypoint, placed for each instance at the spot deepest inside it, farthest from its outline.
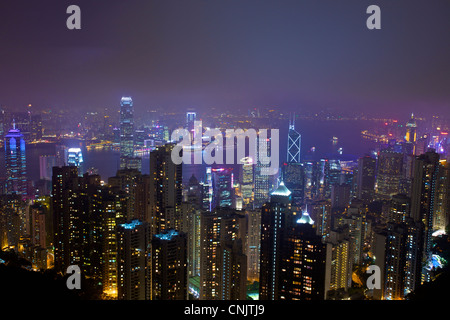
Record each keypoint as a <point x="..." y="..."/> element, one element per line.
<point x="227" y="53"/>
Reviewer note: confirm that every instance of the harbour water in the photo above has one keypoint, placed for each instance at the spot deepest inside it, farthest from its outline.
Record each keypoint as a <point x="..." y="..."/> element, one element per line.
<point x="316" y="135"/>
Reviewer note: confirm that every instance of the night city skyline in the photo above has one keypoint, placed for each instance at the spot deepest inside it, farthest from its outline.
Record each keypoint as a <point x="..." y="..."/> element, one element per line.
<point x="260" y="151"/>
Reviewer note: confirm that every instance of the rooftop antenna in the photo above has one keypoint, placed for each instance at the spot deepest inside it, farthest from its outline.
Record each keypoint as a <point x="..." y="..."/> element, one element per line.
<point x="292" y="122"/>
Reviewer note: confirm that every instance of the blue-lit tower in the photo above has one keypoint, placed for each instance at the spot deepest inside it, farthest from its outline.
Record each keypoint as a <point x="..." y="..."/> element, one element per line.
<point x="127" y="158"/>
<point x="75" y="159"/>
<point x="293" y="170"/>
<point x="15" y="162"/>
<point x="294" y="143"/>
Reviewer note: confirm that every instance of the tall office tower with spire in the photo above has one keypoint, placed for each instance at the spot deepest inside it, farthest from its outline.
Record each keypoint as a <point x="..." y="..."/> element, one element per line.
<point x="294" y="143"/>
<point x="411" y="136"/>
<point x="15" y="162"/>
<point x="293" y="170"/>
<point x="165" y="191"/>
<point x="411" y="127"/>
<point x="127" y="158"/>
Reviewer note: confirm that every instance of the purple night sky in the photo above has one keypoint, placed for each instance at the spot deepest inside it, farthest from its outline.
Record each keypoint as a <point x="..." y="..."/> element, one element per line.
<point x="228" y="54"/>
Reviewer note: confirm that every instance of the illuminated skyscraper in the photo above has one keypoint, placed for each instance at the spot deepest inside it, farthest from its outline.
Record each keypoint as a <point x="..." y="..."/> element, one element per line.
<point x="275" y="217"/>
<point x="62" y="190"/>
<point x="295" y="180"/>
<point x="165" y="190"/>
<point x="399" y="208"/>
<point x="397" y="251"/>
<point x="191" y="116"/>
<point x="321" y="211"/>
<point x="127" y="158"/>
<point x="114" y="208"/>
<point x="366" y="178"/>
<point x="389" y="173"/>
<point x="411" y="127"/>
<point x="223" y="191"/>
<point x="294" y="143"/>
<point x="133" y="261"/>
<point x="75" y="158"/>
<point x="136" y="186"/>
<point x="339" y="261"/>
<point x="169" y="266"/>
<point x="76" y="220"/>
<point x="247" y="179"/>
<point x="424" y="196"/>
<point x="253" y="243"/>
<point x="15" y="162"/>
<point x="223" y="273"/>
<point x="261" y="174"/>
<point x="303" y="262"/>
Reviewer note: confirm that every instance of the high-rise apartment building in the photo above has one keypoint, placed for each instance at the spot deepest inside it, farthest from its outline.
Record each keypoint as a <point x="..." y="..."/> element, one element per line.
<point x="169" y="266"/>
<point x="253" y="243"/>
<point x="77" y="223"/>
<point x="133" y="267"/>
<point x="424" y="196"/>
<point x="165" y="189"/>
<point x="222" y="259"/>
<point x="397" y="251"/>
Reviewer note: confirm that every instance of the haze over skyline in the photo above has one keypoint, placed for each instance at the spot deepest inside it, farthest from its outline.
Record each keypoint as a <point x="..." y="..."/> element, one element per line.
<point x="227" y="54"/>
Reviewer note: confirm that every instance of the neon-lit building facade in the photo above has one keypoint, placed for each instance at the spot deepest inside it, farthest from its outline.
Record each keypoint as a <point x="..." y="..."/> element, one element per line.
<point x="127" y="158"/>
<point x="223" y="187"/>
<point x="75" y="159"/>
<point x="15" y="162"/>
